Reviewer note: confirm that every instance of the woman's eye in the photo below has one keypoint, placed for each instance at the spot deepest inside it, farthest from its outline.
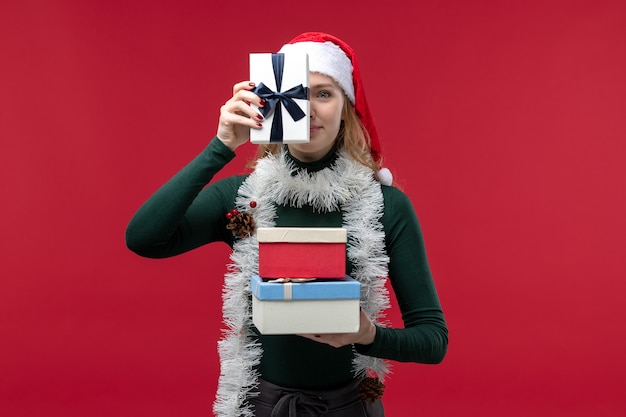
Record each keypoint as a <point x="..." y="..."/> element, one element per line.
<point x="323" y="94"/>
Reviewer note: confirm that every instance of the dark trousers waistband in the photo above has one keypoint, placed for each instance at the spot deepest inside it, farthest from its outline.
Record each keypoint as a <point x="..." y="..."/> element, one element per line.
<point x="276" y="401"/>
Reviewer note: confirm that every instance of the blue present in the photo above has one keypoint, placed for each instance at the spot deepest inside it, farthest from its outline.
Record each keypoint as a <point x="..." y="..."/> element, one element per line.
<point x="335" y="289"/>
<point x="313" y="307"/>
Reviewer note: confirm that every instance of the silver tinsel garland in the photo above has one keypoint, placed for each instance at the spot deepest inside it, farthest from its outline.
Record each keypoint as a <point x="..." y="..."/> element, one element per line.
<point x="347" y="186"/>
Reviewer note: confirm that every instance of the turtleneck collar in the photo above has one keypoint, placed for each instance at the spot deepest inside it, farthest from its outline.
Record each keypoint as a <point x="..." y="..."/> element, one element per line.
<point x="326" y="161"/>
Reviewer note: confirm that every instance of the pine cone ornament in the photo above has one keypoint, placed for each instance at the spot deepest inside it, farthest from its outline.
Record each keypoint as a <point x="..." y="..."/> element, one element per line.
<point x="371" y="389"/>
<point x="241" y="224"/>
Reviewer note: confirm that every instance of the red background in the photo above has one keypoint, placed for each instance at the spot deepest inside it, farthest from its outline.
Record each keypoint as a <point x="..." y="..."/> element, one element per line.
<point x="503" y="121"/>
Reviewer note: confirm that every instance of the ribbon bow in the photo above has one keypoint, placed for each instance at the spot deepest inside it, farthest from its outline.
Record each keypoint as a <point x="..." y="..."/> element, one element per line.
<point x="274" y="100"/>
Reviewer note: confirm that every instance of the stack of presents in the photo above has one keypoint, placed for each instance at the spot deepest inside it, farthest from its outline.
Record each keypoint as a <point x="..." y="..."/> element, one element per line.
<point x="302" y="287"/>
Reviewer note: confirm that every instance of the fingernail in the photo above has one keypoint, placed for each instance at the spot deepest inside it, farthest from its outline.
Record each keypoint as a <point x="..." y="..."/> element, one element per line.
<point x="251" y="84"/>
<point x="262" y="104"/>
<point x="259" y="124"/>
<point x="259" y="116"/>
<point x="247" y="102"/>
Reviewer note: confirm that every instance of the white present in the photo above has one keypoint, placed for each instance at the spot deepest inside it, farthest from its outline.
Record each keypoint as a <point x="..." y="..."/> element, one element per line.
<point x="282" y="80"/>
<point x="305" y="307"/>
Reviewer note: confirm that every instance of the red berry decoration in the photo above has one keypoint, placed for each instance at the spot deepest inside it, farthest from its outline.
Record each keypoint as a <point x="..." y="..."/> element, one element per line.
<point x="253" y="204"/>
<point x="234" y="212"/>
<point x="229" y="215"/>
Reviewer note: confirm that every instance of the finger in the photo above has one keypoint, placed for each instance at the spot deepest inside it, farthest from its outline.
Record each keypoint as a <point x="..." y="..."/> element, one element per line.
<point x="243" y="85"/>
<point x="334" y="340"/>
<point x="230" y="120"/>
<point x="314" y="337"/>
<point x="241" y="108"/>
<point x="248" y="97"/>
<point x="243" y="92"/>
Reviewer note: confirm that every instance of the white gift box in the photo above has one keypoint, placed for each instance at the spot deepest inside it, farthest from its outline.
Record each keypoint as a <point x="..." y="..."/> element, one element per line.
<point x="287" y="74"/>
<point x="305" y="307"/>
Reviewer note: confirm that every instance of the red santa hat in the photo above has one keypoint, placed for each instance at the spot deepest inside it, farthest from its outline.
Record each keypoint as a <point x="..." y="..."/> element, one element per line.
<point x="333" y="57"/>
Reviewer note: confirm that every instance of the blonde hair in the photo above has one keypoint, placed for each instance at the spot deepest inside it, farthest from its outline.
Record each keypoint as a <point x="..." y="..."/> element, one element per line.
<point x="352" y="138"/>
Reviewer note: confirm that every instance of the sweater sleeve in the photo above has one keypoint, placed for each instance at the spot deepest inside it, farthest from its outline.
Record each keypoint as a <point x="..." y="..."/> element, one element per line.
<point x="183" y="214"/>
<point x="424" y="338"/>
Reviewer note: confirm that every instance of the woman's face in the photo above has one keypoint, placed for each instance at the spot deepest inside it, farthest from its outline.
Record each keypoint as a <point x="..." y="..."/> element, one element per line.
<point x="326" y="104"/>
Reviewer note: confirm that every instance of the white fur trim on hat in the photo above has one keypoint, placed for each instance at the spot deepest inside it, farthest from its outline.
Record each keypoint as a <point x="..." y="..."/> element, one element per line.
<point x="327" y="59"/>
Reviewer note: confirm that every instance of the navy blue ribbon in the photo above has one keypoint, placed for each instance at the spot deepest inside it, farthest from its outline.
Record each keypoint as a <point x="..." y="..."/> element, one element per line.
<point x="274" y="100"/>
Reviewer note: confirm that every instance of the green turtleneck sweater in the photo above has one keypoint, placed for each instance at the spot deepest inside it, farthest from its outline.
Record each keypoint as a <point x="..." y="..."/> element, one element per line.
<point x="185" y="213"/>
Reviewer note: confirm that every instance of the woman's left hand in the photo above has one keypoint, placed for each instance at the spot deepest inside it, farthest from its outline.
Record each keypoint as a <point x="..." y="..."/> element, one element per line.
<point x="365" y="335"/>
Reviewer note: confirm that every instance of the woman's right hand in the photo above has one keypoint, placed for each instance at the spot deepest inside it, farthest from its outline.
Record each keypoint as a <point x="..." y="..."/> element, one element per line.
<point x="237" y="117"/>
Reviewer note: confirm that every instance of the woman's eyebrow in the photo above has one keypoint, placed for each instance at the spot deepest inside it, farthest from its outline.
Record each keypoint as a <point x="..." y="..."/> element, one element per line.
<point x="327" y="85"/>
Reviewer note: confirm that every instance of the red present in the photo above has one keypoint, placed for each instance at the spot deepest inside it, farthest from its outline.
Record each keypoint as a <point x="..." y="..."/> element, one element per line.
<point x="302" y="252"/>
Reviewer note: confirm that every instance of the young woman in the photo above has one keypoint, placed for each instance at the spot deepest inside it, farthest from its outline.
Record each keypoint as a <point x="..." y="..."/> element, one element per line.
<point x="335" y="180"/>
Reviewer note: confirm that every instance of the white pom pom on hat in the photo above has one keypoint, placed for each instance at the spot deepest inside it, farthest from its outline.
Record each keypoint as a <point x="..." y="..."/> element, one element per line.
<point x="385" y="176"/>
<point x="333" y="57"/>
